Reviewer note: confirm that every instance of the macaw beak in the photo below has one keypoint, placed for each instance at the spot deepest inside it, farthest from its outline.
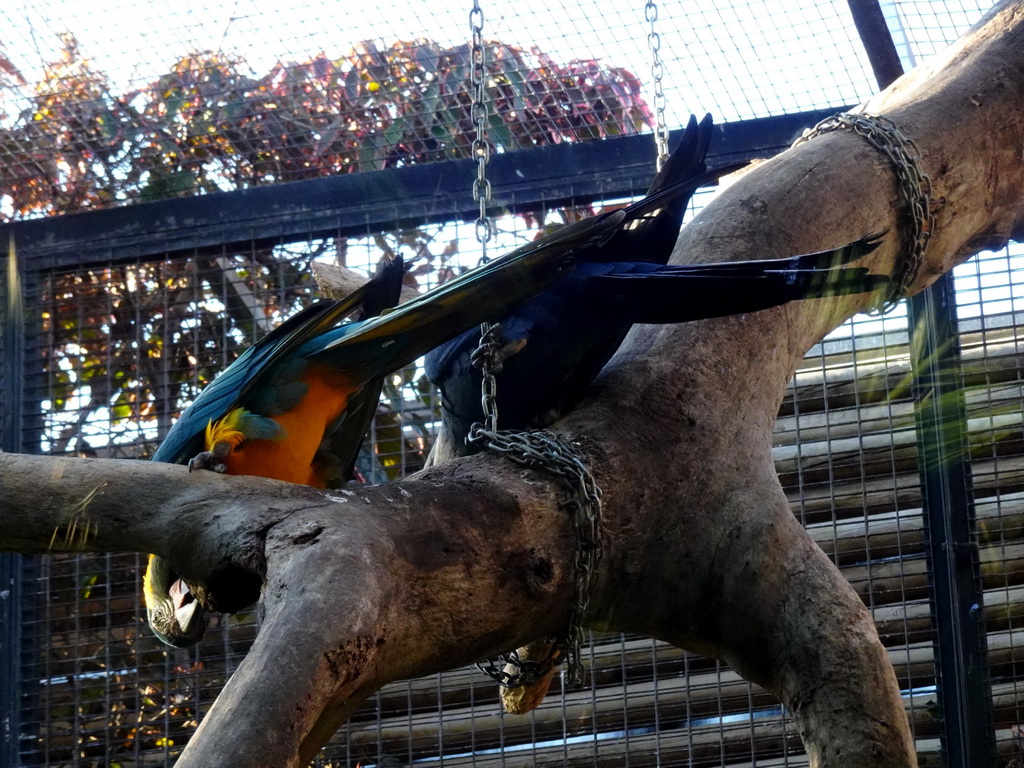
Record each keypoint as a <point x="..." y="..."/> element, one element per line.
<point x="185" y="604"/>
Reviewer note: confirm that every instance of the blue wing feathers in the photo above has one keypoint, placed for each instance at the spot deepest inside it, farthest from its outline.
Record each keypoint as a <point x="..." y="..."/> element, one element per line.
<point x="249" y="370"/>
<point x="574" y="327"/>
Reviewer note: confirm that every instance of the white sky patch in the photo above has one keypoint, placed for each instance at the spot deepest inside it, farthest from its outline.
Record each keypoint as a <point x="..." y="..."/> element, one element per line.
<point x="735" y="59"/>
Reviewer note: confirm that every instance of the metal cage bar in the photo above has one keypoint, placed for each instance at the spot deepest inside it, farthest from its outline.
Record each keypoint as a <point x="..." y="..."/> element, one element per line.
<point x="948" y="501"/>
<point x="350" y="204"/>
<point x="12" y="360"/>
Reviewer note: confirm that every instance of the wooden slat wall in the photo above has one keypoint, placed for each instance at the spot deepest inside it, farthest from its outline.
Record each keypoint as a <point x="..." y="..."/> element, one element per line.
<point x="846" y="453"/>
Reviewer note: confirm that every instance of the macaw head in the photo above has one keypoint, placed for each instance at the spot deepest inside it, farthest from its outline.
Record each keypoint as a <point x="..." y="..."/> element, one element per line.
<point x="173" y="609"/>
<point x="229" y="432"/>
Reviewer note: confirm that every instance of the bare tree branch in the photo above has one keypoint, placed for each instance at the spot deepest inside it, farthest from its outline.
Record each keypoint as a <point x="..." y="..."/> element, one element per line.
<point x="337" y="282"/>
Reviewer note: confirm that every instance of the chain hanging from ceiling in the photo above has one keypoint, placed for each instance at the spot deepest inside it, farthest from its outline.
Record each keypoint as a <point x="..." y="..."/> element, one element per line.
<point x="539" y="449"/>
<point x="657" y="76"/>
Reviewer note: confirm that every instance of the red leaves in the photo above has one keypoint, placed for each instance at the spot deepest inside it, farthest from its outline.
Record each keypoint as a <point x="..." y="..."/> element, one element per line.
<point x="210" y="124"/>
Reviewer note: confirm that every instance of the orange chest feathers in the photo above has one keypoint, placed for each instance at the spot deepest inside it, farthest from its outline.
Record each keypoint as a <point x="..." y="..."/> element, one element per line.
<point x="289" y="456"/>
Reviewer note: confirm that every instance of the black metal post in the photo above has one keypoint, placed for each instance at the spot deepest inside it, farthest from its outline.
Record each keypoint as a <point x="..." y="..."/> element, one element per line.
<point x="947" y="497"/>
<point x="10" y="646"/>
<point x="355" y="203"/>
<point x="13" y="334"/>
<point x="877" y="40"/>
<point x="948" y="503"/>
<point x="12" y="343"/>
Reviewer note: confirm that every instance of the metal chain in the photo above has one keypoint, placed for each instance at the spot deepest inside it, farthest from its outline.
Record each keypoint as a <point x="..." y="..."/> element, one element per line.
<point x="542" y="450"/>
<point x="482" y="195"/>
<point x="915" y="188"/>
<point x="534" y="449"/>
<point x="527" y="672"/>
<point x="481" y="148"/>
<point x="553" y="453"/>
<point x="657" y="75"/>
<point x="486" y="358"/>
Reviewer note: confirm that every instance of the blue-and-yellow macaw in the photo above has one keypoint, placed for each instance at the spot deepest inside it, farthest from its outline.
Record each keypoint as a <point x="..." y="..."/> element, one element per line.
<point x="295" y="405"/>
<point x="234" y="442"/>
<point x="557" y="341"/>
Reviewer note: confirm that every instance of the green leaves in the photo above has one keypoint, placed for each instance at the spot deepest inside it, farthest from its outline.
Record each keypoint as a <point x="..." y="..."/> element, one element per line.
<point x="162" y="184"/>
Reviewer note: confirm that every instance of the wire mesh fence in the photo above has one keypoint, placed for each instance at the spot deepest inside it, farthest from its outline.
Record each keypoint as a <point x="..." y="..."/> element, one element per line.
<point x="989" y="293"/>
<point x="97" y="687"/>
<point x="232" y="96"/>
<point x="119" y="348"/>
<point x="212" y="123"/>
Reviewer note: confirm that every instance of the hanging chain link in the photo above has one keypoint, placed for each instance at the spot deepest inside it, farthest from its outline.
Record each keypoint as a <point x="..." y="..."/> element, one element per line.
<point x="486" y="358"/>
<point x="526" y="672"/>
<point x="915" y="188"/>
<point x="657" y="75"/>
<point x="481" y="148"/>
<point x="482" y="195"/>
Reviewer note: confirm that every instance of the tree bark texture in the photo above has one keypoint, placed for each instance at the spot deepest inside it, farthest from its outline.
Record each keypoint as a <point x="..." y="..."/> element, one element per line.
<point x="370" y="585"/>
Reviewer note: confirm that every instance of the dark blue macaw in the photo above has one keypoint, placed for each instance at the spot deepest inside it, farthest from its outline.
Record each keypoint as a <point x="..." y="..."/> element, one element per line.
<point x="556" y="342"/>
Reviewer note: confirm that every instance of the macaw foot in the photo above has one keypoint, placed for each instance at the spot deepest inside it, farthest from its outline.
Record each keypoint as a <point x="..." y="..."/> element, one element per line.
<point x="206" y="460"/>
<point x="211" y="460"/>
<point x="519" y="701"/>
<point x="509" y="349"/>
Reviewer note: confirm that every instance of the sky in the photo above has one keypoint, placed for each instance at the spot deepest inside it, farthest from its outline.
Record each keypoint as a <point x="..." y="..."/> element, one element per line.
<point x="735" y="58"/>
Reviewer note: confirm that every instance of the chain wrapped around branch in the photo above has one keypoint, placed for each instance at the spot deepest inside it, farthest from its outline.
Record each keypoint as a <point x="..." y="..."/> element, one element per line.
<point x="552" y="453"/>
<point x="914" y="184"/>
<point x="544" y="450"/>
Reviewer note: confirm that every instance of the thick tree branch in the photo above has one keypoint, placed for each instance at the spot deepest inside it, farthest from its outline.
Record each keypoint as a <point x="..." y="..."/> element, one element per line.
<point x="402" y="580"/>
<point x="363" y="587"/>
<point x="337" y="282"/>
<point x="769" y="602"/>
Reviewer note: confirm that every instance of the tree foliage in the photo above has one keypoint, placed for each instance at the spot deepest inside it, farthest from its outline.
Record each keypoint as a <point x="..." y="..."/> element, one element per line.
<point x="210" y="124"/>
